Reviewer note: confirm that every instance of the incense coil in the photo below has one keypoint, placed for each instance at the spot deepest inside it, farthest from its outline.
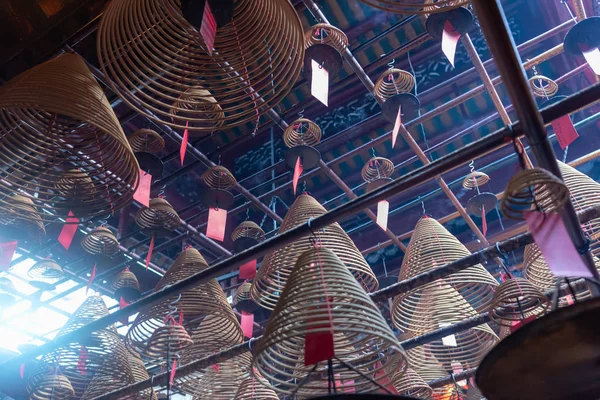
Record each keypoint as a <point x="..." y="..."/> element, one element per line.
<point x="221" y="382"/>
<point x="301" y="310"/>
<point x="158" y="219"/>
<point x="52" y="387"/>
<point x="542" y="86"/>
<point x="516" y="298"/>
<point x="327" y="35"/>
<point x="198" y="101"/>
<point x="167" y="339"/>
<point x="45" y="269"/>
<point x="146" y="140"/>
<point x="101" y="242"/>
<point x="411" y="384"/>
<point x="126" y="280"/>
<point x="255" y="388"/>
<point x="415" y="6"/>
<point x="377" y="168"/>
<point x="533" y="187"/>
<point x="276" y="266"/>
<point x="22" y="213"/>
<point x="257" y="59"/>
<point x="247" y="229"/>
<point x="242" y="293"/>
<point x="140" y="374"/>
<point x="54" y="114"/>
<point x="302" y="132"/>
<point x="392" y="82"/>
<point x="219" y="177"/>
<point x="475" y="179"/>
<point x="75" y="183"/>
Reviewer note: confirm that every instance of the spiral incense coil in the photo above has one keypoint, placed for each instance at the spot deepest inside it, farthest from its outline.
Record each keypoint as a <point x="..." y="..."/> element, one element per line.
<point x="146" y="140"/>
<point x="126" y="280"/>
<point x="429" y="369"/>
<point x="257" y="58"/>
<point x="168" y="339"/>
<point x="52" y="387"/>
<point x="54" y="113"/>
<point x="243" y="293"/>
<point x="516" y="298"/>
<point x="411" y="384"/>
<point x="101" y="242"/>
<point x="327" y="35"/>
<point x="475" y="179"/>
<point x="302" y="132"/>
<point x="22" y="213"/>
<point x="530" y="188"/>
<point x="392" y="82"/>
<point x="320" y="288"/>
<point x="542" y="86"/>
<point x="255" y="388"/>
<point x="415" y="6"/>
<point x="377" y="168"/>
<point x="276" y="266"/>
<point x="219" y="177"/>
<point x="140" y="374"/>
<point x="247" y="229"/>
<point x="45" y="270"/>
<point x="218" y="385"/>
<point x="75" y="183"/>
<point x="158" y="219"/>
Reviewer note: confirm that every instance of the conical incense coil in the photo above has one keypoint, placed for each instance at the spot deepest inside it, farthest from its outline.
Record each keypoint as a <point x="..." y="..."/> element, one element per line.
<point x="411" y="384"/>
<point x="257" y="59"/>
<point x="242" y="300"/>
<point x="255" y="388"/>
<point x="146" y="140"/>
<point x="277" y="266"/>
<point x="75" y="183"/>
<point x="218" y="382"/>
<point x="320" y="288"/>
<point x="432" y="246"/>
<point x="392" y="82"/>
<point x="377" y="168"/>
<point x="21" y="213"/>
<point x="126" y="279"/>
<point x="219" y="177"/>
<point x="429" y="369"/>
<point x="140" y="374"/>
<point x="52" y="387"/>
<point x="60" y="109"/>
<point x="159" y="219"/>
<point x="327" y="35"/>
<point x="542" y="86"/>
<point x="302" y="132"/>
<point x="247" y="229"/>
<point x="45" y="270"/>
<point x="531" y="188"/>
<point x="475" y="180"/>
<point x="167" y="339"/>
<point x="101" y="242"/>
<point x="515" y="299"/>
<point x="415" y="6"/>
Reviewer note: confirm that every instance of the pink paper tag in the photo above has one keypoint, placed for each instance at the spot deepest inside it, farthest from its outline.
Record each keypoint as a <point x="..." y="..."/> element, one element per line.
<point x="319" y="346"/>
<point x="397" y="127"/>
<point x="215" y="367"/>
<point x="22" y="371"/>
<point x="247" y="322"/>
<point x="297" y="172"/>
<point x="82" y="361"/>
<point x="68" y="231"/>
<point x="7" y="250"/>
<point x="248" y="270"/>
<point x="142" y="194"/>
<point x="217" y="218"/>
<point x="319" y="86"/>
<point x="184" y="140"/>
<point x="483" y="221"/>
<point x="565" y="131"/>
<point x="92" y="276"/>
<point x="208" y="29"/>
<point x="550" y="234"/>
<point x="592" y="57"/>
<point x="122" y="304"/>
<point x="150" y="250"/>
<point x="383" y="208"/>
<point x="519" y="324"/>
<point x="449" y="41"/>
<point x="174" y="366"/>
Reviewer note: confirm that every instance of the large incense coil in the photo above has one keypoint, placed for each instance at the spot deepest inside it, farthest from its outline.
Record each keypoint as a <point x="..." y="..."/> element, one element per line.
<point x="200" y="303"/>
<point x="75" y="183"/>
<point x="101" y="242"/>
<point x="412" y="384"/>
<point x="146" y="140"/>
<point x="532" y="188"/>
<point x="319" y="279"/>
<point x="475" y="179"/>
<point x="392" y="82"/>
<point x="255" y="388"/>
<point x="276" y="266"/>
<point x="55" y="115"/>
<point x="328" y="35"/>
<point x="247" y="229"/>
<point x="542" y="86"/>
<point x="21" y="213"/>
<point x="415" y="6"/>
<point x="160" y="219"/>
<point x="126" y="280"/>
<point x="168" y="339"/>
<point x="219" y="177"/>
<point x="104" y="355"/>
<point x="257" y="59"/>
<point x="52" y="387"/>
<point x="302" y="132"/>
<point x="45" y="270"/>
<point x="140" y="374"/>
<point x="515" y="299"/>
<point x="220" y="382"/>
<point x="377" y="168"/>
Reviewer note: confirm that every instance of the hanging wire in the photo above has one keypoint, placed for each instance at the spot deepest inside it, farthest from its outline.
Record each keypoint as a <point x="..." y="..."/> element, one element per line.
<point x="569" y="10"/>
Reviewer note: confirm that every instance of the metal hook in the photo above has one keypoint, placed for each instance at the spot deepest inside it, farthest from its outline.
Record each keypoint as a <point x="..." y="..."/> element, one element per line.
<point x="373" y="152"/>
<point x="161" y="192"/>
<point x="247" y="214"/>
<point x="391" y="63"/>
<point x="423" y="207"/>
<point x="301" y="113"/>
<point x="472" y="166"/>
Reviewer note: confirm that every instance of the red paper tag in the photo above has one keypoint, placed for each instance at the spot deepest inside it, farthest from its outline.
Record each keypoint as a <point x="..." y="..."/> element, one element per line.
<point x="383" y="379"/>
<point x="397" y="127"/>
<point x="550" y="234"/>
<point x="248" y="270"/>
<point x="208" y="29"/>
<point x="68" y="231"/>
<point x="150" y="249"/>
<point x="217" y="218"/>
<point x="483" y="221"/>
<point x="569" y="299"/>
<point x="319" y="85"/>
<point x="592" y="56"/>
<point x="449" y="41"/>
<point x="22" y="371"/>
<point x="174" y="366"/>
<point x="122" y="304"/>
<point x="215" y="367"/>
<point x="7" y="250"/>
<point x="518" y="324"/>
<point x="82" y="361"/>
<point x="92" y="276"/>
<point x="142" y="194"/>
<point x="247" y="322"/>
<point x="565" y="131"/>
<point x="318" y="346"/>
<point x="383" y="208"/>
<point x="184" y="140"/>
<point x="297" y="172"/>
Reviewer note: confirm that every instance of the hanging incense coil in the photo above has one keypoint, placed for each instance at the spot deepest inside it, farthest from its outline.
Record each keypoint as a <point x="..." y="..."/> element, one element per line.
<point x="45" y="270"/>
<point x="160" y="219"/>
<point x="242" y="300"/>
<point x="327" y="35"/>
<point x="321" y="288"/>
<point x="542" y="86"/>
<point x="392" y="82"/>
<point x="377" y="168"/>
<point x="23" y="218"/>
<point x="411" y="384"/>
<point x="429" y="369"/>
<point x="75" y="183"/>
<point x="247" y="229"/>
<point x="474" y="180"/>
<point x="531" y="188"/>
<point x="302" y="132"/>
<point x="101" y="242"/>
<point x="168" y="339"/>
<point x="126" y="285"/>
<point x="515" y="299"/>
<point x="415" y="6"/>
<point x="140" y="374"/>
<point x="54" y="114"/>
<point x="219" y="177"/>
<point x="218" y="383"/>
<point x="146" y="140"/>
<point x="239" y="76"/>
<point x="255" y="388"/>
<point x="52" y="387"/>
<point x="276" y="266"/>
